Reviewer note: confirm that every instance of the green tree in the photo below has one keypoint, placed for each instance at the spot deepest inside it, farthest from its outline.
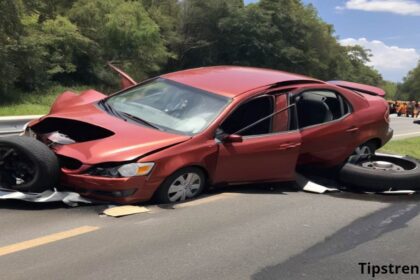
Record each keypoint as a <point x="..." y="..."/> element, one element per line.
<point x="10" y="30"/>
<point x="201" y="40"/>
<point x="352" y="66"/>
<point x="70" y="41"/>
<point x="124" y="32"/>
<point x="390" y="89"/>
<point x="410" y="88"/>
<point x="287" y="35"/>
<point x="166" y="14"/>
<point x="47" y="50"/>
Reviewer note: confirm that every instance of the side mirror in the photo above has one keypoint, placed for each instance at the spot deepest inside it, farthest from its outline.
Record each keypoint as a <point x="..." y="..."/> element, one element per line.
<point x="233" y="138"/>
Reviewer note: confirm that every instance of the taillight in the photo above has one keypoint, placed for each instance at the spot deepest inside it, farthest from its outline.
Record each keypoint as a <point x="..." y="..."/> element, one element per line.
<point x="386" y="116"/>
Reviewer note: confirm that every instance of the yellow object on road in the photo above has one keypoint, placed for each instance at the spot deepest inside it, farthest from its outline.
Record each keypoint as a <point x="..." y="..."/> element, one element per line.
<point x="120" y="211"/>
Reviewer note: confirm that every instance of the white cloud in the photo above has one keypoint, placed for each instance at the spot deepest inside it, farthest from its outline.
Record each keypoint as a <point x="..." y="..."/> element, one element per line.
<point x="391" y="61"/>
<point x="402" y="7"/>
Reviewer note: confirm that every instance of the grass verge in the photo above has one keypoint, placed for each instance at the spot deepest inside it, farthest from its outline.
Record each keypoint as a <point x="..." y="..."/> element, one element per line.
<point x="33" y="103"/>
<point x="409" y="146"/>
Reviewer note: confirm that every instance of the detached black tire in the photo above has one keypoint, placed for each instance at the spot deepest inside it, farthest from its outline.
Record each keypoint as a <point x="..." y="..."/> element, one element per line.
<point x="381" y="173"/>
<point x="27" y="165"/>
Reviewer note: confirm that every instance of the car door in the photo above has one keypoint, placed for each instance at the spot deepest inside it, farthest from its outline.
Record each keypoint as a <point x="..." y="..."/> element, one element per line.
<point x="327" y="140"/>
<point x="265" y="154"/>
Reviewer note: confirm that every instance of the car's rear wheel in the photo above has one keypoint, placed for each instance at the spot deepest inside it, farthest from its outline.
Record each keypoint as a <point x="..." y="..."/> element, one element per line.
<point x="381" y="173"/>
<point x="27" y="165"/>
<point x="367" y="148"/>
<point x="186" y="183"/>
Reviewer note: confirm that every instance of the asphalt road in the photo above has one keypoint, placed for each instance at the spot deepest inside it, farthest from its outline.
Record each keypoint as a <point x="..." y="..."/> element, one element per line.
<point x="246" y="232"/>
<point x="243" y="232"/>
<point x="405" y="127"/>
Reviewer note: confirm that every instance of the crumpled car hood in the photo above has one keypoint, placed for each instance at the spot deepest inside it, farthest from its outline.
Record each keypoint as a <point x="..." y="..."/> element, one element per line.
<point x="129" y="141"/>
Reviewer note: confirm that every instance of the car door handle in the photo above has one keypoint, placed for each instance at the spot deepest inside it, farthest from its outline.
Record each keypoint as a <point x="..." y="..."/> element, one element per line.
<point x="288" y="146"/>
<point x="352" y="129"/>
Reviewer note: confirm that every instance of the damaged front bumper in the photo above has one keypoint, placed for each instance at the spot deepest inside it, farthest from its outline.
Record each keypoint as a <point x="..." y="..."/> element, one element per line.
<point x="119" y="190"/>
<point x="74" y="177"/>
<point x="74" y="172"/>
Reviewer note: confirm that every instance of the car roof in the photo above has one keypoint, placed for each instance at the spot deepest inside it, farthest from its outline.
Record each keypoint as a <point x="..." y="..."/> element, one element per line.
<point x="231" y="81"/>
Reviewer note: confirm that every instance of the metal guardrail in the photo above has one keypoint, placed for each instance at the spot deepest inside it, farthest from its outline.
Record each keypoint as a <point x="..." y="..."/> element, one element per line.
<point x="15" y="125"/>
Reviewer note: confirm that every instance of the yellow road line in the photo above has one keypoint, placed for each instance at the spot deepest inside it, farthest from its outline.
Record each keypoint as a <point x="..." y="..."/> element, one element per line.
<point x="13" y="248"/>
<point x="206" y="200"/>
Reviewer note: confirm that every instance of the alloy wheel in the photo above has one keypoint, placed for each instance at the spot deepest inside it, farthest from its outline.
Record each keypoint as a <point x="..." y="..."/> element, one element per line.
<point x="184" y="187"/>
<point x="15" y="168"/>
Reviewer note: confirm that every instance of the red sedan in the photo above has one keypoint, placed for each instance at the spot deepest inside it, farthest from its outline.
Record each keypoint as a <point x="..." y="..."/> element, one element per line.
<point x="172" y="135"/>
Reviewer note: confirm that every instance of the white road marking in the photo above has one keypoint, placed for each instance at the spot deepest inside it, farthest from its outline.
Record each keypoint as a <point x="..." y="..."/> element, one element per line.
<point x="407" y="134"/>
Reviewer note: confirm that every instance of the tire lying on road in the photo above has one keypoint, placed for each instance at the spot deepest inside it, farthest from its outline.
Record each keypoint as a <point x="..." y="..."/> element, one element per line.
<point x="27" y="165"/>
<point x="374" y="173"/>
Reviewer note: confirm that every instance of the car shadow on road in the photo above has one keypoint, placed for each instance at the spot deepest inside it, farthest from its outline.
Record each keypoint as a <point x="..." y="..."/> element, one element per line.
<point x="262" y="188"/>
<point x="320" y="259"/>
<point x="377" y="197"/>
<point x="24" y="205"/>
<point x="16" y="204"/>
<point x="279" y="188"/>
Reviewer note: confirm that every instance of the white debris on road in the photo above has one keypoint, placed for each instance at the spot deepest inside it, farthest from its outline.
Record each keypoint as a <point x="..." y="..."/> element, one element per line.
<point x="309" y="186"/>
<point x="70" y="198"/>
<point x="316" y="188"/>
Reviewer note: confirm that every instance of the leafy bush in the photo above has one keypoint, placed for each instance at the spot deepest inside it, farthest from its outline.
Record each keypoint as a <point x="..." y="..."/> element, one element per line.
<point x="70" y="41"/>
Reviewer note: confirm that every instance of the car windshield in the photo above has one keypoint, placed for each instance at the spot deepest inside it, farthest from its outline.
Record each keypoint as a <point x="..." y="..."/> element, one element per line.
<point x="168" y="106"/>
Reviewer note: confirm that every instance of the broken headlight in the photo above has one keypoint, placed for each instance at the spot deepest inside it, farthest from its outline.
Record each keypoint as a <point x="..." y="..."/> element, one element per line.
<point x="126" y="170"/>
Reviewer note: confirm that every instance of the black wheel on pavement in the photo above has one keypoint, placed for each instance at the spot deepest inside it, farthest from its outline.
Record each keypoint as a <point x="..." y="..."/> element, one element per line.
<point x="186" y="183"/>
<point x="27" y="165"/>
<point x="381" y="173"/>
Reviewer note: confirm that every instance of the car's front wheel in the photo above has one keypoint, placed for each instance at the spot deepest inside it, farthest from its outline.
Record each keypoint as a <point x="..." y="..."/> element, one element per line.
<point x="186" y="183"/>
<point x="27" y="165"/>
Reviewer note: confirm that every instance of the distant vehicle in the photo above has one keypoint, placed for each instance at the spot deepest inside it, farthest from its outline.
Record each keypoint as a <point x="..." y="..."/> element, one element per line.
<point x="172" y="135"/>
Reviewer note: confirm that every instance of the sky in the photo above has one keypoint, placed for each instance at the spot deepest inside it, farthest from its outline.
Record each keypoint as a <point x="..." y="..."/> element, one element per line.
<point x="389" y="28"/>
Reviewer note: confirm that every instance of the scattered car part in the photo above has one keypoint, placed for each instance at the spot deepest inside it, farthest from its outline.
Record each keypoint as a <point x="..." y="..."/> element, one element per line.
<point x="125" y="80"/>
<point x="310" y="186"/>
<point x="126" y="210"/>
<point x="27" y="165"/>
<point x="58" y="138"/>
<point x="378" y="173"/>
<point x="70" y="198"/>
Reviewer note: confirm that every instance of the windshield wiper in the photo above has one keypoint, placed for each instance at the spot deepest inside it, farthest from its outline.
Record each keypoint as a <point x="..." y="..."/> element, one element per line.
<point x="130" y="116"/>
<point x="123" y="115"/>
<point x="110" y="109"/>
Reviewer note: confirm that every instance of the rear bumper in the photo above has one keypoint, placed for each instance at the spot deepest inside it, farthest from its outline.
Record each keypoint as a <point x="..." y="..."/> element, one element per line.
<point x="118" y="190"/>
<point x="388" y="136"/>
